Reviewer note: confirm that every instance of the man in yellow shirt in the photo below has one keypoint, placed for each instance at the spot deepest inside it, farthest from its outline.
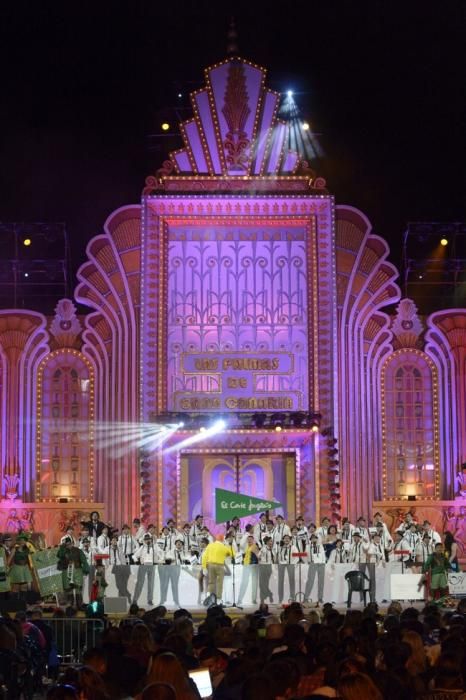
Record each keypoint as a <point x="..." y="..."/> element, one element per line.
<point x="213" y="560"/>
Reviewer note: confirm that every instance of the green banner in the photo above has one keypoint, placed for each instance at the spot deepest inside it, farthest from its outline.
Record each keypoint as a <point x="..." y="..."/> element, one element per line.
<point x="49" y="578"/>
<point x="229" y="504"/>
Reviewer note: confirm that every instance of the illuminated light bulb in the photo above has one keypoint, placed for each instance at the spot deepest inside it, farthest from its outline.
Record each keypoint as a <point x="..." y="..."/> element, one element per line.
<point x="306" y="126"/>
<point x="315" y="429"/>
<point x="444" y="241"/>
<point x="202" y="429"/>
<point x="278" y="428"/>
<point x="165" y="126"/>
<point x="27" y="242"/>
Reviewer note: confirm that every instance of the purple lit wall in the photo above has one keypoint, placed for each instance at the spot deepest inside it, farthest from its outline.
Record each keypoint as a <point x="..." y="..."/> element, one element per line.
<point x="237" y="294"/>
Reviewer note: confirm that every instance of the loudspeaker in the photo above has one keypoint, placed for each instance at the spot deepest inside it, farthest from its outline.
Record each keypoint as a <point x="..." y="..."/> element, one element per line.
<point x="12" y="605"/>
<point x="117" y="604"/>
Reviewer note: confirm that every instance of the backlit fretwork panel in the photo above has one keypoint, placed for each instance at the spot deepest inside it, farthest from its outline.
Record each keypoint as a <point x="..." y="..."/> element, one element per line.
<point x="65" y="451"/>
<point x="236" y="294"/>
<point x="410" y="426"/>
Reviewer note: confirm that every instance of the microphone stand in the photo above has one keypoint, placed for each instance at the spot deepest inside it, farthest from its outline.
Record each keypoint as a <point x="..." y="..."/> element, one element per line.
<point x="233" y="583"/>
<point x="299" y="596"/>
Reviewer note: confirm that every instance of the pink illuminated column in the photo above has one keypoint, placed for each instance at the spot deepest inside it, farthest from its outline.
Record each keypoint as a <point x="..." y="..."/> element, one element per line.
<point x="21" y="338"/>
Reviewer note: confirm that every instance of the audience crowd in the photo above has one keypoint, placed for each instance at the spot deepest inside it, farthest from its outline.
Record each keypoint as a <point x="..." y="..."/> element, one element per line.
<point x="361" y="655"/>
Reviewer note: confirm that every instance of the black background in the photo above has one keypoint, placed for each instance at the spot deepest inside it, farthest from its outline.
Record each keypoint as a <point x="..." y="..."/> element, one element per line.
<point x="84" y="84"/>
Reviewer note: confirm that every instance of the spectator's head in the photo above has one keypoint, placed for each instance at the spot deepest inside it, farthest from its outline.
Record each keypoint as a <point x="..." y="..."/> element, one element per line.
<point x="214" y="660"/>
<point x="285" y="675"/>
<point x="294" y="637"/>
<point x="447" y="672"/>
<point x="123" y="676"/>
<point x="258" y="686"/>
<point x="91" y="684"/>
<point x="141" y="638"/>
<point x="96" y="659"/>
<point x="158" y="691"/>
<point x="167" y="669"/>
<point x="358" y="686"/>
<point x="182" y="612"/>
<point x="274" y="631"/>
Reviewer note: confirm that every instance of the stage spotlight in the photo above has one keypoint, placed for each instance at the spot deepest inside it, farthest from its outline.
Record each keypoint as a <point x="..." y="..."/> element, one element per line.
<point x="180" y="424"/>
<point x="180" y="94"/>
<point x="165" y="126"/>
<point x="202" y="429"/>
<point x="27" y="242"/>
<point x="444" y="241"/>
<point x="26" y="274"/>
<point x="219" y="425"/>
<point x="306" y="126"/>
<point x="314" y="428"/>
<point x="290" y="94"/>
<point x="278" y="422"/>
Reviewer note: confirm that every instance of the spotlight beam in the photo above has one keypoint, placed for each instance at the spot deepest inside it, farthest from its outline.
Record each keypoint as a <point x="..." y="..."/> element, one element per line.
<point x="198" y="437"/>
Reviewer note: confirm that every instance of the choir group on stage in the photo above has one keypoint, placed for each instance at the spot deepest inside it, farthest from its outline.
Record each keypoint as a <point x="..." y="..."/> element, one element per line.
<point x="274" y="540"/>
<point x="267" y="542"/>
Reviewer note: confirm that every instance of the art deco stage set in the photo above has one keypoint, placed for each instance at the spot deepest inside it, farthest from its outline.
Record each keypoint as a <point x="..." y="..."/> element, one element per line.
<point x="238" y="291"/>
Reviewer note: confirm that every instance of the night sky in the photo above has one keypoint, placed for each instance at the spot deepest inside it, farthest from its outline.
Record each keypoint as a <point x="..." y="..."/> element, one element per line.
<point x="83" y="85"/>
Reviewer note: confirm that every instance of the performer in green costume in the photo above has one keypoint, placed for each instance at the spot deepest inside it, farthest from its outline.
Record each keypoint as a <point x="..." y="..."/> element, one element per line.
<point x="73" y="565"/>
<point x="19" y="565"/>
<point x="4" y="578"/>
<point x="436" y="567"/>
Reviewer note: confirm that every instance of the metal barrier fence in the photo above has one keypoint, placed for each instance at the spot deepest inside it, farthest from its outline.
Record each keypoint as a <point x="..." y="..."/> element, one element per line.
<point x="73" y="636"/>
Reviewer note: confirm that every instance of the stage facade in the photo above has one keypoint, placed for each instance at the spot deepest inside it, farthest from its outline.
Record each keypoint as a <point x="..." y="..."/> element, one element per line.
<point x="237" y="290"/>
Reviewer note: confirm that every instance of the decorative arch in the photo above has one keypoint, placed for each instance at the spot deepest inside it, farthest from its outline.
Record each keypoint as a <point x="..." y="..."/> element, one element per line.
<point x="109" y="283"/>
<point x="410" y="426"/>
<point x="365" y="285"/>
<point x="446" y="343"/>
<point x="65" y="427"/>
